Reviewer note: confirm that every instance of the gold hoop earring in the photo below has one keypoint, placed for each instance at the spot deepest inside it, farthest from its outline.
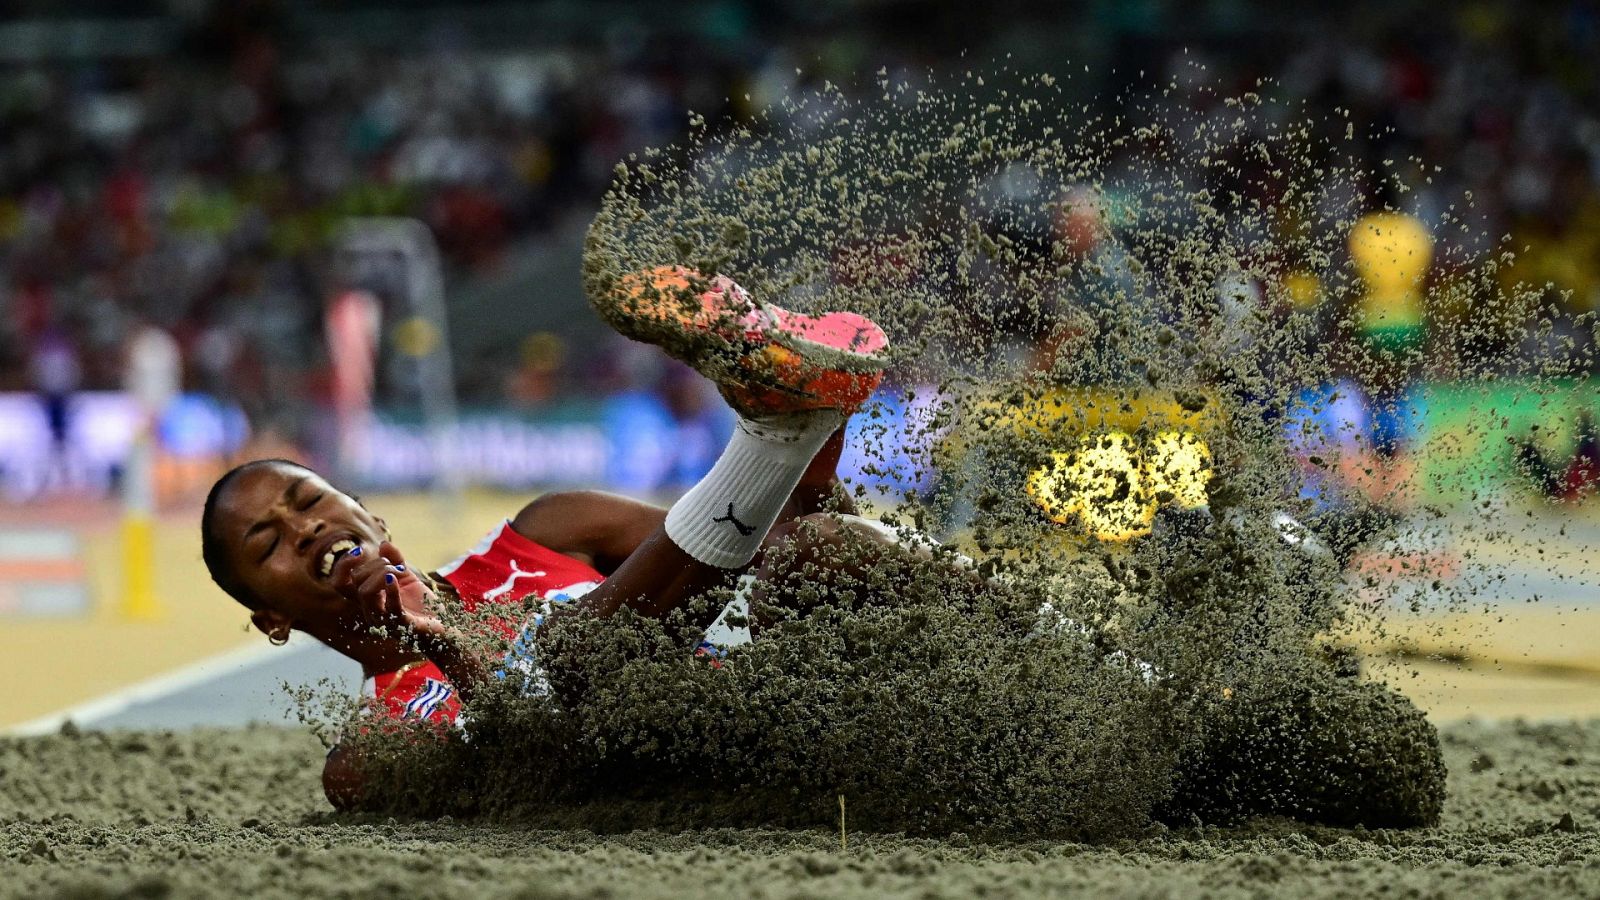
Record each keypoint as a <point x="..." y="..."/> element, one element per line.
<point x="277" y="640"/>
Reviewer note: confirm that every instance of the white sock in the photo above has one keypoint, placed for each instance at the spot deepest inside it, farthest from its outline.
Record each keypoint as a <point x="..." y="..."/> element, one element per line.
<point x="722" y="520"/>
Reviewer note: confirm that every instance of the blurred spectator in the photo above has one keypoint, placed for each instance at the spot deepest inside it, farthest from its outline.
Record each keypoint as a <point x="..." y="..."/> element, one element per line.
<point x="197" y="186"/>
<point x="1391" y="252"/>
<point x="56" y="375"/>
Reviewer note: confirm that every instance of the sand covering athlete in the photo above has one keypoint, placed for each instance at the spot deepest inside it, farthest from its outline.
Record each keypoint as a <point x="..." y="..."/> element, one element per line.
<point x="302" y="555"/>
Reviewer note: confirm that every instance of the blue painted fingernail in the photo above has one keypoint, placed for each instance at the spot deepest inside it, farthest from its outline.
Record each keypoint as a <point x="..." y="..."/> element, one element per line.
<point x="356" y="551"/>
<point x="389" y="577"/>
<point x="399" y="568"/>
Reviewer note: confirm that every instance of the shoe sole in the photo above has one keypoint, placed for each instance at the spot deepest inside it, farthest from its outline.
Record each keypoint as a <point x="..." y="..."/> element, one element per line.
<point x="655" y="307"/>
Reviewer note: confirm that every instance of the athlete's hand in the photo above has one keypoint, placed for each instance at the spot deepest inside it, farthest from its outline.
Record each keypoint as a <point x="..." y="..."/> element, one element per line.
<point x="386" y="593"/>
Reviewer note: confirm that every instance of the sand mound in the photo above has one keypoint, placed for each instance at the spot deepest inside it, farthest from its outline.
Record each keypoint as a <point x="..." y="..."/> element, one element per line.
<point x="209" y="813"/>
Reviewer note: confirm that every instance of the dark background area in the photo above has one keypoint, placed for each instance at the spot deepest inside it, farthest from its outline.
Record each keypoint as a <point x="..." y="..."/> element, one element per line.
<point x="186" y="164"/>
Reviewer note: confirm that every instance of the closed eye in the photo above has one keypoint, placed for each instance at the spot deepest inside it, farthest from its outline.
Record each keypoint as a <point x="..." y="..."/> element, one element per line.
<point x="313" y="501"/>
<point x="270" y="547"/>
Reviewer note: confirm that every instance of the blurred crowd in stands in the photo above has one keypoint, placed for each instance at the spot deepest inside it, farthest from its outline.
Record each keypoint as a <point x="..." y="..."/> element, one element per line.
<point x="200" y="193"/>
<point x="197" y="190"/>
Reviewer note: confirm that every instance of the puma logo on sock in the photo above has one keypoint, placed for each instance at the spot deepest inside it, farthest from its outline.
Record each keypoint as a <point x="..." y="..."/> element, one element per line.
<point x="744" y="529"/>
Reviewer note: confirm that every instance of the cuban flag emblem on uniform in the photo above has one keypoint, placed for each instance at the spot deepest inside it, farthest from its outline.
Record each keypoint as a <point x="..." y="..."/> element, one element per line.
<point x="428" y="699"/>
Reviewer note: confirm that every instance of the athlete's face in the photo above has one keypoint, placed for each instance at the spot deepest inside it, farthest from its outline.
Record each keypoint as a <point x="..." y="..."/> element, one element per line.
<point x="283" y="528"/>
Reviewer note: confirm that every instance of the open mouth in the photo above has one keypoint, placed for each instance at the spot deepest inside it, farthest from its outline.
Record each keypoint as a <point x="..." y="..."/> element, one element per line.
<point x="337" y="549"/>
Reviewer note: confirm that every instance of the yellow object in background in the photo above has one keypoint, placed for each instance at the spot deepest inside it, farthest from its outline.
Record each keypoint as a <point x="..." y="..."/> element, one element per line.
<point x="138" y="599"/>
<point x="1178" y="464"/>
<point x="1303" y="289"/>
<point x="543" y="351"/>
<point x="1103" y="478"/>
<point x="416" y="336"/>
<point x="1391" y="252"/>
<point x="1115" y="503"/>
<point x="1112" y="485"/>
<point x="1052" y="487"/>
<point x="1059" y="415"/>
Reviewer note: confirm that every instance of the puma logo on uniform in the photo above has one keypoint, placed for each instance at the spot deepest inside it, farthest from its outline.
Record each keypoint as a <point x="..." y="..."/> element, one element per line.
<point x="505" y="588"/>
<point x="744" y="529"/>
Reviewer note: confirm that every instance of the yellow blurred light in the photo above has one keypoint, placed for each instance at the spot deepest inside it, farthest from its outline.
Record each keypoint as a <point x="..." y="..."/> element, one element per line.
<point x="1052" y="489"/>
<point x="1303" y="290"/>
<point x="1112" y="485"/>
<point x="416" y="336"/>
<point x="1391" y="250"/>
<point x="543" y="351"/>
<point x="1115" y="505"/>
<point x="1178" y="463"/>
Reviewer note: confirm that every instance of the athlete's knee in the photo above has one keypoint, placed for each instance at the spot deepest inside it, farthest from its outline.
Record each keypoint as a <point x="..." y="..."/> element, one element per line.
<point x="830" y="539"/>
<point x="805" y="534"/>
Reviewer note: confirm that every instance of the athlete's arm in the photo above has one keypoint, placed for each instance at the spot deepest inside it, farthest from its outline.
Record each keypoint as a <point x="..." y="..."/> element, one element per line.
<point x="389" y="595"/>
<point x="602" y="529"/>
<point x="594" y="527"/>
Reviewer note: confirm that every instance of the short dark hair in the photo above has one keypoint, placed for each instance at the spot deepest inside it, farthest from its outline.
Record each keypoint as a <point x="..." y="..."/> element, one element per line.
<point x="211" y="545"/>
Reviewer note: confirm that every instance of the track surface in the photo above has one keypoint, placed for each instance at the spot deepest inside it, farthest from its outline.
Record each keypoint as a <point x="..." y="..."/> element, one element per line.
<point x="237" y="812"/>
<point x="97" y="668"/>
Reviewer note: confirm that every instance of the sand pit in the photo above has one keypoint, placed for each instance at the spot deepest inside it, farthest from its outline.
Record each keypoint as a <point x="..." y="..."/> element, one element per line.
<point x="1085" y="686"/>
<point x="238" y="812"/>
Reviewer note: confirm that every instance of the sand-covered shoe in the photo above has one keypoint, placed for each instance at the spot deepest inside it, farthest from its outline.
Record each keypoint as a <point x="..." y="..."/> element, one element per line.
<point x="768" y="360"/>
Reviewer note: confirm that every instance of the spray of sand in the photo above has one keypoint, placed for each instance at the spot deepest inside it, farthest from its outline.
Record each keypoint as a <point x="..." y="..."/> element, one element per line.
<point x="1124" y="338"/>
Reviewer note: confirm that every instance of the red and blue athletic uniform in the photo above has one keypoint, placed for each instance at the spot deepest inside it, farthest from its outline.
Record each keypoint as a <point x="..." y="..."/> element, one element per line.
<point x="504" y="568"/>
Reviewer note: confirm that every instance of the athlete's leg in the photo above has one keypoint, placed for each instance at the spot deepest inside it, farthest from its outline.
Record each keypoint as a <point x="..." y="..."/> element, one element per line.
<point x="793" y="379"/>
<point x="829" y="553"/>
<point x="718" y="527"/>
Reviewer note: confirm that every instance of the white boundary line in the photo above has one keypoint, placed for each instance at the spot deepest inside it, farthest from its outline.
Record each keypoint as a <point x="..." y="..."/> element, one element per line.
<point x="152" y="688"/>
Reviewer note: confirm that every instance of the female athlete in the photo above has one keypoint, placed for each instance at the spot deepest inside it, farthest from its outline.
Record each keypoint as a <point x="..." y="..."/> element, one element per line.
<point x="304" y="556"/>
